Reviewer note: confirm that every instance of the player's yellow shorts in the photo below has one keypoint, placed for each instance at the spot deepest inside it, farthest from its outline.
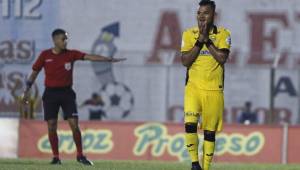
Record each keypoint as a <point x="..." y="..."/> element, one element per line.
<point x="207" y="104"/>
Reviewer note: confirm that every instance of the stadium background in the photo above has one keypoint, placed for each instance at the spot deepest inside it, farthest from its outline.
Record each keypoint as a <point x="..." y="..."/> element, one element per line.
<point x="148" y="86"/>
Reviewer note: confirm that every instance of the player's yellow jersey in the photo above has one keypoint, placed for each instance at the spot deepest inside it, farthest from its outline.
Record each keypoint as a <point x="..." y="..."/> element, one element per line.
<point x="206" y="73"/>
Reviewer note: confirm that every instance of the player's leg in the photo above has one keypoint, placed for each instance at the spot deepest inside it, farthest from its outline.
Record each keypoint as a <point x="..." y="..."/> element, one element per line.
<point x="192" y="144"/>
<point x="53" y="138"/>
<point x="208" y="148"/>
<point x="70" y="113"/>
<point x="69" y="108"/>
<point x="73" y="122"/>
<point x="191" y="115"/>
<point x="51" y="107"/>
<point x="213" y="106"/>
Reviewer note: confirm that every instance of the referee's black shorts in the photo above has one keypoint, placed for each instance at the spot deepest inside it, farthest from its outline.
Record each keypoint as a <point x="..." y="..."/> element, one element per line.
<point x="54" y="98"/>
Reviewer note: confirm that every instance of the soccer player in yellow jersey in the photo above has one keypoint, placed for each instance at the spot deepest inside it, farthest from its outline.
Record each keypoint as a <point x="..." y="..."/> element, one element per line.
<point x="205" y="49"/>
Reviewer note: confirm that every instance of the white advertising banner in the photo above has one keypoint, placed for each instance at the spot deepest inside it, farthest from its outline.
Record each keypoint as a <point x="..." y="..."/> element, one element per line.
<point x="9" y="129"/>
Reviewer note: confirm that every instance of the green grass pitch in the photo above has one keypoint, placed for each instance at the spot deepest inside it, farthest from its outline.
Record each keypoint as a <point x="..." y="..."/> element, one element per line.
<point x="31" y="164"/>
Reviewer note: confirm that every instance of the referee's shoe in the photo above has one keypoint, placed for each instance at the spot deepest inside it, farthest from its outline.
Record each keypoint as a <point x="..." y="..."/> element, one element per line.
<point x="84" y="160"/>
<point x="55" y="161"/>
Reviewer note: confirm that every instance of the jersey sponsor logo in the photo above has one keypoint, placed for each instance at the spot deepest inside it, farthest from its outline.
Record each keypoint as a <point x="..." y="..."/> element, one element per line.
<point x="191" y="114"/>
<point x="204" y="52"/>
<point x="68" y="66"/>
<point x="49" y="60"/>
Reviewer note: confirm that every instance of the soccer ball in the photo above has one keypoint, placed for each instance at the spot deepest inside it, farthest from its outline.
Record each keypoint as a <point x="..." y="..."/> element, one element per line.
<point x="118" y="100"/>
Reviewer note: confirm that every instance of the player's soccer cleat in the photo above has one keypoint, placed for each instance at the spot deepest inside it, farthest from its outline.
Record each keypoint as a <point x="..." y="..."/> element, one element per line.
<point x="84" y="161"/>
<point x="55" y="161"/>
<point x="196" y="167"/>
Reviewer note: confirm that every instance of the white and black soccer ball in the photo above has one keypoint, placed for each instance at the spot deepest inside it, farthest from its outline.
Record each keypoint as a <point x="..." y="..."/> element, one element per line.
<point x="118" y="100"/>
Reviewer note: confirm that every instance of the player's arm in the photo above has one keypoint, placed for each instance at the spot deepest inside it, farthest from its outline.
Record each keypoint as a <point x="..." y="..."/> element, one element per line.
<point x="188" y="57"/>
<point x="29" y="82"/>
<point x="36" y="67"/>
<point x="189" y="51"/>
<point x="221" y="52"/>
<point x="100" y="58"/>
<point x="220" y="55"/>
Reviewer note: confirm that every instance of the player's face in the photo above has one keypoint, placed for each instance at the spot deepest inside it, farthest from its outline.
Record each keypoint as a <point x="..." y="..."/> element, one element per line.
<point x="205" y="14"/>
<point x="60" y="41"/>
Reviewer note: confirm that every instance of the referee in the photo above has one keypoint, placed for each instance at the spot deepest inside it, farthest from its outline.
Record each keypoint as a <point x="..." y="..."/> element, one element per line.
<point x="58" y="63"/>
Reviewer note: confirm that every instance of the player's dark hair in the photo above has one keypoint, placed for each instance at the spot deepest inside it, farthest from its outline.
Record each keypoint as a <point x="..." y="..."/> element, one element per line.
<point x="208" y="2"/>
<point x="58" y="31"/>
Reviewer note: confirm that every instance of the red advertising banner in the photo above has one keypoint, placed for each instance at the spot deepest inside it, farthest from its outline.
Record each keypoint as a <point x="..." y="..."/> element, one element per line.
<point x="252" y="144"/>
<point x="152" y="141"/>
<point x="293" y="144"/>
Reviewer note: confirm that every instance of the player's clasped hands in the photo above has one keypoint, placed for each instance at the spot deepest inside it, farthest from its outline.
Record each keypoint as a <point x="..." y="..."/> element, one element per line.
<point x="204" y="32"/>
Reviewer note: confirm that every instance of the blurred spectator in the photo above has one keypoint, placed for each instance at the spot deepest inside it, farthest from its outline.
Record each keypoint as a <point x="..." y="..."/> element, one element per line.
<point x="248" y="116"/>
<point x="95" y="104"/>
<point x="283" y="117"/>
<point x="27" y="110"/>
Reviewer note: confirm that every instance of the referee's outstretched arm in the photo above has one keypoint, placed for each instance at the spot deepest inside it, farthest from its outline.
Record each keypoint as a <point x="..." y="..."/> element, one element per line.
<point x="100" y="58"/>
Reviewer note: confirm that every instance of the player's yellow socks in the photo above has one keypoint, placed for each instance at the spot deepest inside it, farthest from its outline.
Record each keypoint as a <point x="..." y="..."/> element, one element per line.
<point x="208" y="152"/>
<point x="192" y="142"/>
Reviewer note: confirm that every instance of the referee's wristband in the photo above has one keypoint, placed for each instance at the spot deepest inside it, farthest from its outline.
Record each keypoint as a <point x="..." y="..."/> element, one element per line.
<point x="29" y="84"/>
<point x="199" y="44"/>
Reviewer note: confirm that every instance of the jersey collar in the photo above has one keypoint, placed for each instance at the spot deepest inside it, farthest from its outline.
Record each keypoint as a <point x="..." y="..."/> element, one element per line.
<point x="214" y="30"/>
